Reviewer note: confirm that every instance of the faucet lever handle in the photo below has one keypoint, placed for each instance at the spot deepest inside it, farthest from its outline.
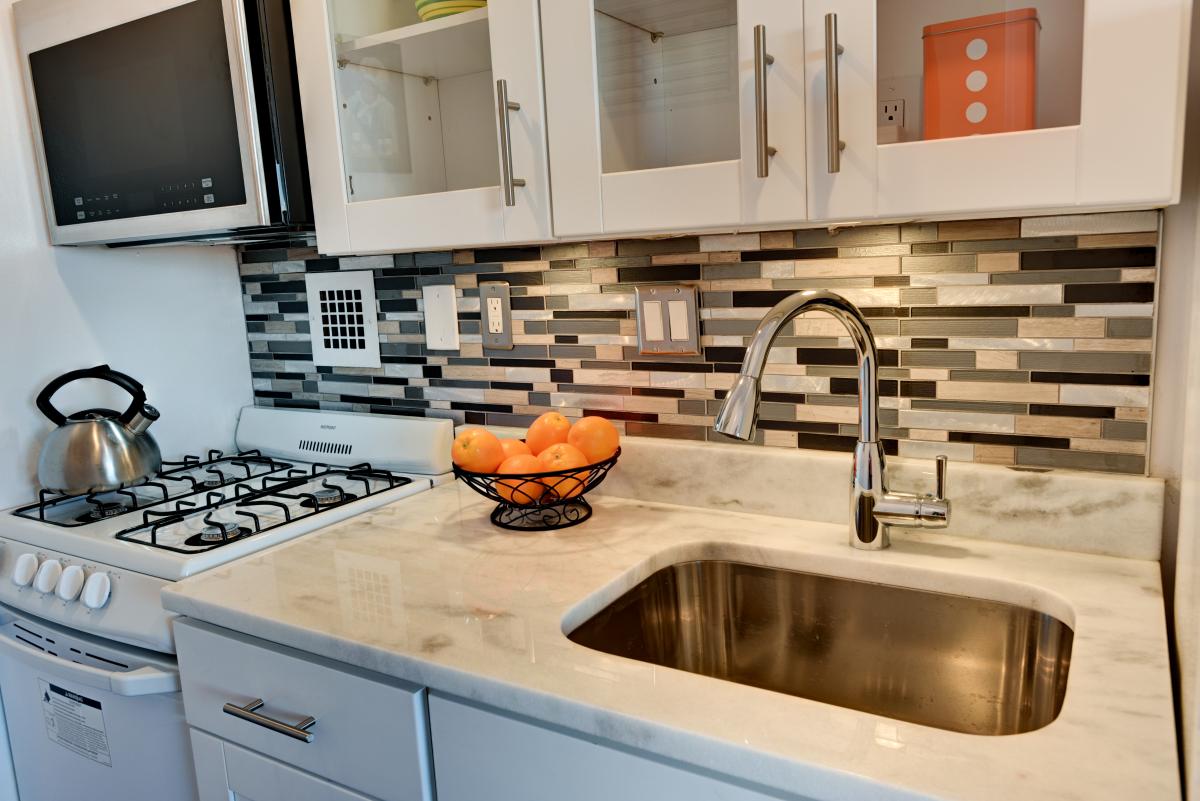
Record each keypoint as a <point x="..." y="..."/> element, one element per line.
<point x="943" y="478"/>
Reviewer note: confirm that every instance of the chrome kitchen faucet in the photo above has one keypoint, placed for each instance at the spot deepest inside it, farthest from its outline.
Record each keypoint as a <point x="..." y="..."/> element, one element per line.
<point x="872" y="507"/>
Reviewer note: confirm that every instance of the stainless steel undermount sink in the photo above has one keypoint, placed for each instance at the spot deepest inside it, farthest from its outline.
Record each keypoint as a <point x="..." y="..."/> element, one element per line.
<point x="957" y="663"/>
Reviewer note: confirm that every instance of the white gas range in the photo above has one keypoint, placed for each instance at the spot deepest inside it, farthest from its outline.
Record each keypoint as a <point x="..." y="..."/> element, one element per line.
<point x="80" y="579"/>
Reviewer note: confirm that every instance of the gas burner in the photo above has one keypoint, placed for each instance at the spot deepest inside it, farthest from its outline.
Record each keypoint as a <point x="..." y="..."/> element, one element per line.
<point x="217" y="532"/>
<point x="101" y="510"/>
<point x="327" y="497"/>
<point x="212" y="482"/>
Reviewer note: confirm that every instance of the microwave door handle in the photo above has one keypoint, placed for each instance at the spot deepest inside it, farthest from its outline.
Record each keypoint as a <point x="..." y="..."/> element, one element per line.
<point x="146" y="680"/>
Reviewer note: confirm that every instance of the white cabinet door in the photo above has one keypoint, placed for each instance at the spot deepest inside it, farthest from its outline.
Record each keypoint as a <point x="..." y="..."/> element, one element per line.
<point x="404" y="132"/>
<point x="966" y="107"/>
<point x="368" y="733"/>
<point x="479" y="754"/>
<point x="225" y="772"/>
<point x="653" y="116"/>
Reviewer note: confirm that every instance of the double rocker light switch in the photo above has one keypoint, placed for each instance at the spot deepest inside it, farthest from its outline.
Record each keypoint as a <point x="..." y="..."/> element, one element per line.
<point x="667" y="320"/>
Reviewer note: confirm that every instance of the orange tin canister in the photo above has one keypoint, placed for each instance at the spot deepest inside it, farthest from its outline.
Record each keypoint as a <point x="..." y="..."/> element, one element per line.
<point x="981" y="74"/>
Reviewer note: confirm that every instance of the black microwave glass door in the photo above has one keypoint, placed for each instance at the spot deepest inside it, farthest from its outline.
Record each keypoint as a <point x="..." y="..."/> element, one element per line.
<point x="139" y="119"/>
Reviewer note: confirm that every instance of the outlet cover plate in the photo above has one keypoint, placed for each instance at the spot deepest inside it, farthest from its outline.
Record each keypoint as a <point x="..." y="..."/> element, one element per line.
<point x="343" y="318"/>
<point x="495" y="307"/>
<point x="440" y="313"/>
<point x="668" y="323"/>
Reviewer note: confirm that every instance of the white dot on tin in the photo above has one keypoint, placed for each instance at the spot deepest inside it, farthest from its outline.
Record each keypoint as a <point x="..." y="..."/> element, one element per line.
<point x="977" y="80"/>
<point x="976" y="112"/>
<point x="976" y="49"/>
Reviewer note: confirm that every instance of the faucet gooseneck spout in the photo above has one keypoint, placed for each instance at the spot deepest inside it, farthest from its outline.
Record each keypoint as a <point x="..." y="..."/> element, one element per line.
<point x="872" y="507"/>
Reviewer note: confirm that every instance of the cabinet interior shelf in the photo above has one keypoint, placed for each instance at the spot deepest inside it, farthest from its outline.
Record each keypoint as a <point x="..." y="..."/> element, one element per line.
<point x="438" y="49"/>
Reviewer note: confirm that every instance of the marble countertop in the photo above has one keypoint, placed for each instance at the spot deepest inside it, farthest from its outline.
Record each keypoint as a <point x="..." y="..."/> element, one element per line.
<point x="427" y="590"/>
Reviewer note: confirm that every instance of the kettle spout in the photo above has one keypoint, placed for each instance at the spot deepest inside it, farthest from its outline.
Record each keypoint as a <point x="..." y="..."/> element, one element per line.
<point x="143" y="419"/>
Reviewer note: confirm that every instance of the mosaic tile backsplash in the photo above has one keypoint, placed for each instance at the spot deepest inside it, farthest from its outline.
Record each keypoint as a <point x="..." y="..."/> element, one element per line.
<point x="1008" y="341"/>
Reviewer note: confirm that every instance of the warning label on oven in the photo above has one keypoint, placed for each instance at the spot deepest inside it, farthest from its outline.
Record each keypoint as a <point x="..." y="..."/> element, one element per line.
<point x="75" y="722"/>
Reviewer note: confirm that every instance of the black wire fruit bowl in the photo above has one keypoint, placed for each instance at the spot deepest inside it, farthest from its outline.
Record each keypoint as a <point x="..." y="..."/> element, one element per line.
<point x="539" y="501"/>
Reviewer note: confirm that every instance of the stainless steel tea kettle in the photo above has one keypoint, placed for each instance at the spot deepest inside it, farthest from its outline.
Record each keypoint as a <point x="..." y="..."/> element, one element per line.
<point x="97" y="450"/>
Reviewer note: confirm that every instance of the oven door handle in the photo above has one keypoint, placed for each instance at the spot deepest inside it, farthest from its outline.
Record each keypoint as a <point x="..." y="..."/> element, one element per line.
<point x="147" y="680"/>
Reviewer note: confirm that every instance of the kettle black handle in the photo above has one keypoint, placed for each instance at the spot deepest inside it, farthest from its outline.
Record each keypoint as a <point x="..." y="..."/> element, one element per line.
<point x="102" y="372"/>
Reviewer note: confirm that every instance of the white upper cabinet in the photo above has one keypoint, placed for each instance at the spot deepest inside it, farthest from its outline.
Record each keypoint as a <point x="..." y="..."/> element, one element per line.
<point x="674" y="115"/>
<point x="963" y="107"/>
<point x="423" y="134"/>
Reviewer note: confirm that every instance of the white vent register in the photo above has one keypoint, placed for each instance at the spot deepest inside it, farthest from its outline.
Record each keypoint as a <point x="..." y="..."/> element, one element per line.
<point x="343" y="318"/>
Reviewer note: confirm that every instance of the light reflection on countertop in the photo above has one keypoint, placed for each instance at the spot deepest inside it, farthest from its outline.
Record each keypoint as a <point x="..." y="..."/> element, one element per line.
<point x="427" y="590"/>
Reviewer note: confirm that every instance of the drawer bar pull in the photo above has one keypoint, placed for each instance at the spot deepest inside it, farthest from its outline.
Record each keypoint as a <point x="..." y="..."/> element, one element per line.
<point x="250" y="713"/>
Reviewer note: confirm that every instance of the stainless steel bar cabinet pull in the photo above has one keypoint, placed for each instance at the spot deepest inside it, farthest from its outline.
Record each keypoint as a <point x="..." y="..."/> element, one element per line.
<point x="249" y="712"/>
<point x="504" y="106"/>
<point x="833" y="114"/>
<point x="762" y="60"/>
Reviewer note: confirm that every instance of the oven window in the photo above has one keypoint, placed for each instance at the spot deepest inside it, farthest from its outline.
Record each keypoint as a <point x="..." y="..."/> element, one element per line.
<point x="139" y="119"/>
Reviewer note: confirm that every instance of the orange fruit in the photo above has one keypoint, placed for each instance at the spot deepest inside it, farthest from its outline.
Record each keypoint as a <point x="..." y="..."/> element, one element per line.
<point x="514" y="447"/>
<point x="595" y="437"/>
<point x="549" y="429"/>
<point x="523" y="491"/>
<point x="560" y="457"/>
<point x="477" y="451"/>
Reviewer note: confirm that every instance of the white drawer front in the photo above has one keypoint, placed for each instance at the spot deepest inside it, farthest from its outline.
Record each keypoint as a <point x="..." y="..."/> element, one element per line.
<point x="369" y="735"/>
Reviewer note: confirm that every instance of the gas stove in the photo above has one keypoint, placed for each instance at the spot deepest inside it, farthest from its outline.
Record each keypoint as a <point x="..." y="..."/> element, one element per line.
<point x="97" y="562"/>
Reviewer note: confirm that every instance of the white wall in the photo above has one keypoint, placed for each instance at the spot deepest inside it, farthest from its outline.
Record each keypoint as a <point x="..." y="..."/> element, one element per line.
<point x="170" y="317"/>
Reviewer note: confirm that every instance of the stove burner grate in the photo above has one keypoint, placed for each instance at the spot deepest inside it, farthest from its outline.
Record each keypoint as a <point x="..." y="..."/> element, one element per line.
<point x="287" y="496"/>
<point x="173" y="481"/>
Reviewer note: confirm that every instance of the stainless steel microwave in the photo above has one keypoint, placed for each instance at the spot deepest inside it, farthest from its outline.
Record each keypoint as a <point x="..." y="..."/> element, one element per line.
<point x="165" y="120"/>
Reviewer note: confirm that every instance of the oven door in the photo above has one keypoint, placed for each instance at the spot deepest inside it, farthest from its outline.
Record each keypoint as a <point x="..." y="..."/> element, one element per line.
<point x="143" y="117"/>
<point x="90" y="719"/>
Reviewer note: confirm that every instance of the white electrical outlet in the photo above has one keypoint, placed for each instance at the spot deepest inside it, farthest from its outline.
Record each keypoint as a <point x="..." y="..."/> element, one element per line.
<point x="891" y="112"/>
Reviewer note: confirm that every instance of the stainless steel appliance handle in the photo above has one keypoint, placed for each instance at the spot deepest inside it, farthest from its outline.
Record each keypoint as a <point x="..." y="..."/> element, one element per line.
<point x="762" y="60"/>
<point x="249" y="712"/>
<point x="833" y="124"/>
<point x="504" y="106"/>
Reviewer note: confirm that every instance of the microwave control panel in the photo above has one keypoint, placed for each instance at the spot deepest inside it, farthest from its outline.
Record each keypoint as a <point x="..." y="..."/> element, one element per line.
<point x="199" y="193"/>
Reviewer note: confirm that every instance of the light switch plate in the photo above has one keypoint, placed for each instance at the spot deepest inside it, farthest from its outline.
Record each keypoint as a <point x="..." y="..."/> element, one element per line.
<point x="668" y="323"/>
<point x="495" y="313"/>
<point x="441" y="317"/>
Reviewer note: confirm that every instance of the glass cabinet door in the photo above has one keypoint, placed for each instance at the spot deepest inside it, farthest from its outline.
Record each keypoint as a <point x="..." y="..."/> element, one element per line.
<point x="415" y="99"/>
<point x="670" y="121"/>
<point x="944" y="106"/>
<point x="425" y="122"/>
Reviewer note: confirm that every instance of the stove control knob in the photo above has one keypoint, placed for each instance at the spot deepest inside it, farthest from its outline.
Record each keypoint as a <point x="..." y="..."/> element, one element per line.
<point x="71" y="583"/>
<point x="25" y="569"/>
<point x="47" y="576"/>
<point x="96" y="590"/>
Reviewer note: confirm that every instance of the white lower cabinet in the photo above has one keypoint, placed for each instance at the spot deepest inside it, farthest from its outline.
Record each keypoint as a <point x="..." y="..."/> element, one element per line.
<point x="379" y="739"/>
<point x="370" y="733"/>
<point x="481" y="755"/>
